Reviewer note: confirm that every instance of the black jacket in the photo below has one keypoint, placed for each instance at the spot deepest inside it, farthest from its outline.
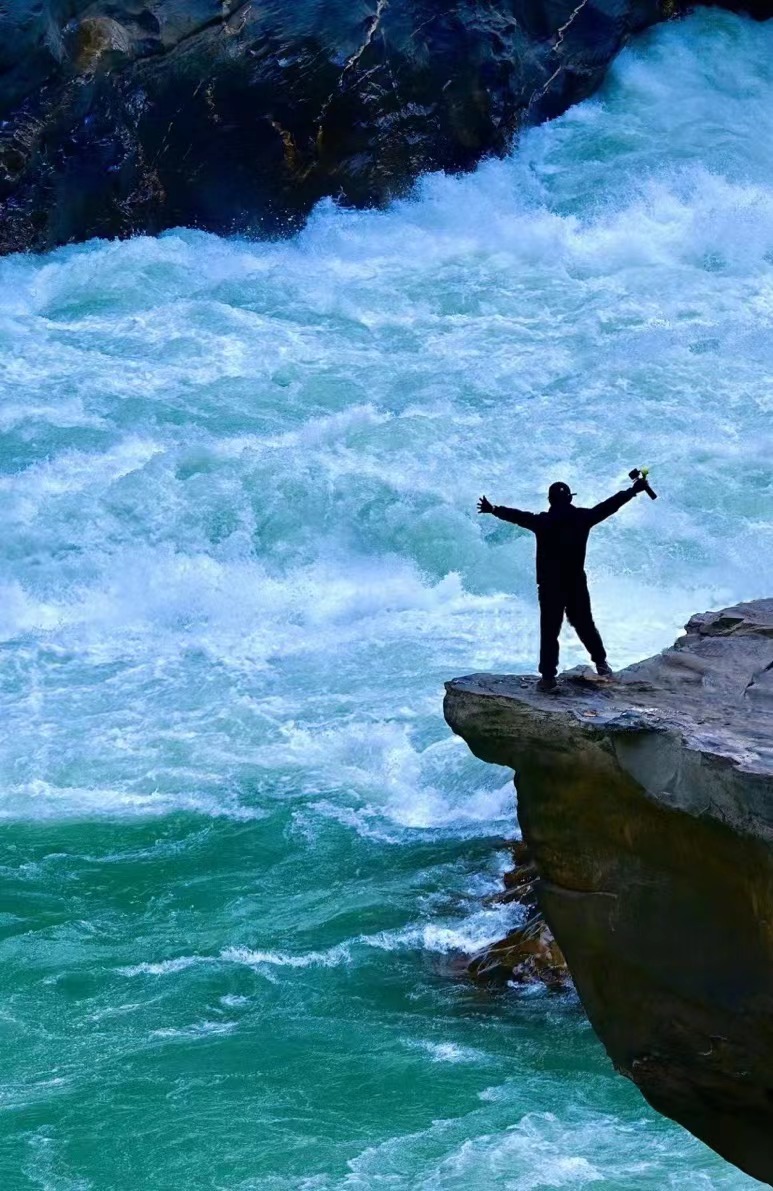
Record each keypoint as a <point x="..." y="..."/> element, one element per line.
<point x="562" y="535"/>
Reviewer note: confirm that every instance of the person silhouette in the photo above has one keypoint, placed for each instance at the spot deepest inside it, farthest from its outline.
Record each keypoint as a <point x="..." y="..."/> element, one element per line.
<point x="562" y="537"/>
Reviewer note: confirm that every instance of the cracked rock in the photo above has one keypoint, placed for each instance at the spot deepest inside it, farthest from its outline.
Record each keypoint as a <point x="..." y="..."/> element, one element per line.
<point x="127" y="116"/>
<point x="647" y="807"/>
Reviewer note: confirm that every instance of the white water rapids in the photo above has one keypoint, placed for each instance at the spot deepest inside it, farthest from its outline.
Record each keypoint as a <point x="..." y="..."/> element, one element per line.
<point x="240" y="554"/>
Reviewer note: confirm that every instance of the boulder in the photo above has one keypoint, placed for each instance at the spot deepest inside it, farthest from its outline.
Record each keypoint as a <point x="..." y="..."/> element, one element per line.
<point x="528" y="954"/>
<point x="647" y="806"/>
<point x="124" y="116"/>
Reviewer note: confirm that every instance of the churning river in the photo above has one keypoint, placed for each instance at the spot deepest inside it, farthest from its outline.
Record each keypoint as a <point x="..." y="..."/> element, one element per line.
<point x="240" y="555"/>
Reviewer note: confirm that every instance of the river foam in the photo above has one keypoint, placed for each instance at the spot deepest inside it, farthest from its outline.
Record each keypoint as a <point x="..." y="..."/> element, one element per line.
<point x="242" y="459"/>
<point x="240" y="555"/>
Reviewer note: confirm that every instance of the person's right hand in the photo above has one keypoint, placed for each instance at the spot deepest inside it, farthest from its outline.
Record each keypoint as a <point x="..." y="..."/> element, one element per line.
<point x="640" y="485"/>
<point x="485" y="505"/>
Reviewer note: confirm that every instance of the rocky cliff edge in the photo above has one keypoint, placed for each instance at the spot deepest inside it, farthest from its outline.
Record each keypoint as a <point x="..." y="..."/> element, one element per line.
<point x="127" y="116"/>
<point x="647" y="805"/>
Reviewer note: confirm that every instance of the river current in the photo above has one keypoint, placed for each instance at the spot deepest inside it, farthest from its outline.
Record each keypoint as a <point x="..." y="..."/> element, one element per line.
<point x="240" y="555"/>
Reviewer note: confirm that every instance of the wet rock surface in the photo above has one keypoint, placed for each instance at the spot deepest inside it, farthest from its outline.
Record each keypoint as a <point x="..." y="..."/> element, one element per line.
<point x="121" y="116"/>
<point x="528" y="954"/>
<point x="647" y="805"/>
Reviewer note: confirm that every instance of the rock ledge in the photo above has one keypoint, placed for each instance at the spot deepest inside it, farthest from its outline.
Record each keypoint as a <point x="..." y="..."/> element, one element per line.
<point x="647" y="805"/>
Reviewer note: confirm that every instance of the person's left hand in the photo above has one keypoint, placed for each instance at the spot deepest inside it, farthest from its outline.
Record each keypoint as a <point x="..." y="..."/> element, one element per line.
<point x="485" y="505"/>
<point x="640" y="485"/>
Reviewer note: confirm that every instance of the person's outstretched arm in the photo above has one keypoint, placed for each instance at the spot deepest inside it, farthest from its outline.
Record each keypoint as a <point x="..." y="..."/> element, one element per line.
<point x="515" y="516"/>
<point x="609" y="506"/>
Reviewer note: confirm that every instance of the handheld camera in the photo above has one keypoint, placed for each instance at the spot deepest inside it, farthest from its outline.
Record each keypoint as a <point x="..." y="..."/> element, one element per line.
<point x="641" y="473"/>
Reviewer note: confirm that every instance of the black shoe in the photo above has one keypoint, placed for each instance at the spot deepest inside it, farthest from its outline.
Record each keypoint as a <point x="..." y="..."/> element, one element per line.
<point x="604" y="670"/>
<point x="547" y="684"/>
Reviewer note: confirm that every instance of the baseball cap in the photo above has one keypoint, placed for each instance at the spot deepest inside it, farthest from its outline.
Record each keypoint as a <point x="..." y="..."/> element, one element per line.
<point x="558" y="493"/>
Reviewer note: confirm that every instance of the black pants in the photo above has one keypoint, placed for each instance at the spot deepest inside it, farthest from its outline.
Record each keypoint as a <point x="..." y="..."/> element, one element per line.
<point x="573" y="600"/>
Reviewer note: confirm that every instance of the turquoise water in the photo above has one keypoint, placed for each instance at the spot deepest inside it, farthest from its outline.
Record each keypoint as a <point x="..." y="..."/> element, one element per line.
<point x="240" y="849"/>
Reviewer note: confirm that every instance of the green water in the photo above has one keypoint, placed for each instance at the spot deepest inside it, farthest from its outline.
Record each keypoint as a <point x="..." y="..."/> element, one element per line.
<point x="241" y="852"/>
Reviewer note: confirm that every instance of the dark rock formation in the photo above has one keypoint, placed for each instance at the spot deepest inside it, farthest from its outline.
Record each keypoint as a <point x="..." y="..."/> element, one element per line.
<point x="529" y="954"/>
<point x="120" y="116"/>
<point x="647" y="805"/>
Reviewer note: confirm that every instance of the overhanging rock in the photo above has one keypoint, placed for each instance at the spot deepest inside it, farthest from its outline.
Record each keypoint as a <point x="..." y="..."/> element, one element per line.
<point x="648" y="808"/>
